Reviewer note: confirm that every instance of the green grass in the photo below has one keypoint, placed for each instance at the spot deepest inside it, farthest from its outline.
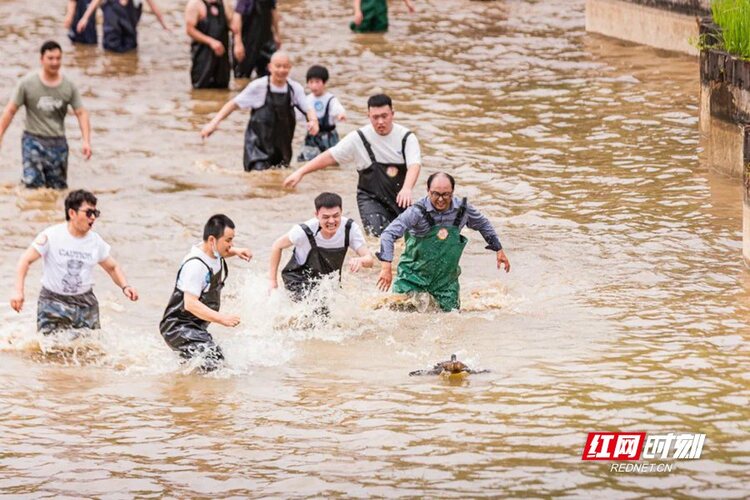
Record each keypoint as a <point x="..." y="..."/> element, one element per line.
<point x="733" y="16"/>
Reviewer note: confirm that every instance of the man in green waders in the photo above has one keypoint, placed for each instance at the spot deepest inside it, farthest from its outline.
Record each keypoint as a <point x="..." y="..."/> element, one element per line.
<point x="434" y="243"/>
<point x="371" y="16"/>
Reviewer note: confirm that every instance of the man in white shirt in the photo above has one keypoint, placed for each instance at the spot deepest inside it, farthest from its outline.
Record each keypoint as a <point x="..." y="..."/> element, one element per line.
<point x="70" y="252"/>
<point x="387" y="158"/>
<point x="196" y="297"/>
<point x="272" y="99"/>
<point x="320" y="247"/>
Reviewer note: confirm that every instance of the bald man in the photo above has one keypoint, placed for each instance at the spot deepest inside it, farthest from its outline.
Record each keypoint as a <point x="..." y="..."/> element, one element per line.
<point x="272" y="99"/>
<point x="434" y="244"/>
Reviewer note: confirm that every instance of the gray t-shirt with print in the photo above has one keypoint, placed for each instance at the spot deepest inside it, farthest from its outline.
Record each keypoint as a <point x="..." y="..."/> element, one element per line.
<point x="46" y="107"/>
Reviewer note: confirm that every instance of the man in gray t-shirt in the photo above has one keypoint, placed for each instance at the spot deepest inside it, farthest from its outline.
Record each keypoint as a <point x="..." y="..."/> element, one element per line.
<point x="47" y="95"/>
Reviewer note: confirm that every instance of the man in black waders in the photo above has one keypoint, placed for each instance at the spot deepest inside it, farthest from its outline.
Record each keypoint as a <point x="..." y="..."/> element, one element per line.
<point x="196" y="297"/>
<point x="434" y="244"/>
<point x="320" y="246"/>
<point x="70" y="251"/>
<point x="207" y="22"/>
<point x="387" y="158"/>
<point x="257" y="24"/>
<point x="121" y="18"/>
<point x="269" y="133"/>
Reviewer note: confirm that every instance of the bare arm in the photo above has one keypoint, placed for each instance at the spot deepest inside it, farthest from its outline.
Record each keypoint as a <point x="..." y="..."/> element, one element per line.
<point x="275" y="18"/>
<point x="114" y="270"/>
<point x="70" y="14"/>
<point x="226" y="110"/>
<point x="22" y="269"/>
<point x="323" y="160"/>
<point x="192" y="16"/>
<point x="312" y="121"/>
<point x="238" y="46"/>
<point x="83" y="122"/>
<point x="202" y="311"/>
<point x="409" y="6"/>
<point x="273" y="267"/>
<point x="403" y="198"/>
<point x="363" y="259"/>
<point x="8" y="113"/>
<point x="157" y="13"/>
<point x="87" y="15"/>
<point x="358" y="17"/>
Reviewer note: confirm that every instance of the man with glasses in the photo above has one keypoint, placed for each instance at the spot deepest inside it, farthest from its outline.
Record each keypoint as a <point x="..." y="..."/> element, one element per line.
<point x="434" y="244"/>
<point x="70" y="251"/>
<point x="387" y="158"/>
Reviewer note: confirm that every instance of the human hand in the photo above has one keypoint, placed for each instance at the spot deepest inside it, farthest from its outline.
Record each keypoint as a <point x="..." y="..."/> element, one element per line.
<point x="86" y="150"/>
<point x="239" y="51"/>
<point x="16" y="302"/>
<point x="355" y="264"/>
<point x="230" y="320"/>
<point x="130" y="292"/>
<point x="217" y="47"/>
<point x="410" y="6"/>
<point x="277" y="41"/>
<point x="385" y="278"/>
<point x="81" y="25"/>
<point x="243" y="253"/>
<point x="272" y="285"/>
<point x="403" y="198"/>
<point x="341" y="117"/>
<point x="293" y="179"/>
<point x="68" y="21"/>
<point x="208" y="129"/>
<point x="358" y="17"/>
<point x="313" y="127"/>
<point x="503" y="261"/>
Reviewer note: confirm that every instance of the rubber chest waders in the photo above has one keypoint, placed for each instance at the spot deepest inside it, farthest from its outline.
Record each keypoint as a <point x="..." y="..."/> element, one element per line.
<point x="377" y="189"/>
<point x="374" y="17"/>
<point x="301" y="278"/>
<point x="210" y="71"/>
<point x="327" y="137"/>
<point x="257" y="37"/>
<point x="186" y="333"/>
<point x="88" y="35"/>
<point x="430" y="263"/>
<point x="269" y="133"/>
<point x="120" y="32"/>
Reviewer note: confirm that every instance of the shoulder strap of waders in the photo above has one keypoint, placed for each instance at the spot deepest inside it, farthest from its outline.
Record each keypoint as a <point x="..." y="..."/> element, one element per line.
<point x="425" y="214"/>
<point x="347" y="230"/>
<point x="290" y="91"/>
<point x="367" y="146"/>
<point x="310" y="236"/>
<point x="403" y="145"/>
<point x="226" y="270"/>
<point x="188" y="260"/>
<point x="460" y="214"/>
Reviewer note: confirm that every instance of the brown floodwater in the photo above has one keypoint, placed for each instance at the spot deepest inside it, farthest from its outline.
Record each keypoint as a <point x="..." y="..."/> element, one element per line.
<point x="626" y="308"/>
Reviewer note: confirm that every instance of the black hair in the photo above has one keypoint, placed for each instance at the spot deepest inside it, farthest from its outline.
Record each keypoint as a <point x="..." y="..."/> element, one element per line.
<point x="328" y="200"/>
<point x="216" y="226"/>
<point x="50" y="45"/>
<point x="317" y="71"/>
<point x="379" y="100"/>
<point x="436" y="174"/>
<point x="77" y="198"/>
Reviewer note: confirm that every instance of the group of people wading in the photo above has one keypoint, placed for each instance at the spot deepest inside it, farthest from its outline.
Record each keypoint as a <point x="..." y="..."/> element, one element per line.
<point x="385" y="155"/>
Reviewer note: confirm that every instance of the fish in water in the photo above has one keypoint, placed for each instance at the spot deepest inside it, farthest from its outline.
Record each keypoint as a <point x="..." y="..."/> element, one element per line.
<point x="448" y="369"/>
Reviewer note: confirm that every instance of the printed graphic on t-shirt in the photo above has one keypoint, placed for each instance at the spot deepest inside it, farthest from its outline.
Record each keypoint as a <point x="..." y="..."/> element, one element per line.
<point x="72" y="279"/>
<point x="49" y="104"/>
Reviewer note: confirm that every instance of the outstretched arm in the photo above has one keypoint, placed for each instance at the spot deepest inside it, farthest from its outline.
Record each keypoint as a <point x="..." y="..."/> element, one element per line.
<point x="241" y="252"/>
<point x="114" y="270"/>
<point x="363" y="259"/>
<point x="410" y="6"/>
<point x="323" y="160"/>
<point x="22" y="269"/>
<point x="8" y="113"/>
<point x="273" y="265"/>
<point x="225" y="111"/>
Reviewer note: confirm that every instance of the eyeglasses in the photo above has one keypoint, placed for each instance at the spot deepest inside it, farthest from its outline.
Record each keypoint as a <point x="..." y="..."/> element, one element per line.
<point x="445" y="196"/>
<point x="91" y="212"/>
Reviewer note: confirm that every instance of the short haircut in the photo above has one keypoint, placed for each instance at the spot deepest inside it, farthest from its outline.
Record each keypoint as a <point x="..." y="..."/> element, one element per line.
<point x="379" y="100"/>
<point x="438" y="174"/>
<point x="50" y="45"/>
<point x="328" y="200"/>
<point x="77" y="198"/>
<point x="317" y="71"/>
<point x="216" y="226"/>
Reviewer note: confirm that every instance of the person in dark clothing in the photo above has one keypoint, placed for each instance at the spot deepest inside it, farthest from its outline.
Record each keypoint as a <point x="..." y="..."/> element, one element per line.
<point x="371" y="16"/>
<point x="387" y="158"/>
<point x="121" y="17"/>
<point x="320" y="247"/>
<point x="207" y="22"/>
<point x="76" y="9"/>
<point x="257" y="23"/>
<point x="196" y="297"/>
<point x="269" y="133"/>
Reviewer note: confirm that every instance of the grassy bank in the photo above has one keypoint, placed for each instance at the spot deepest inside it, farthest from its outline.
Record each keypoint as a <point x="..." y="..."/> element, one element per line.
<point x="733" y="16"/>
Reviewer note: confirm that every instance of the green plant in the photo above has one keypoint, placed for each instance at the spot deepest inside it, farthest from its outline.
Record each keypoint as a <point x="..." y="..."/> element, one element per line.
<point x="733" y="16"/>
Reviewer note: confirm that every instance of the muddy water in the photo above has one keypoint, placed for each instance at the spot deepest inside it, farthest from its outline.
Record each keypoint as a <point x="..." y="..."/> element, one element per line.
<point x="625" y="309"/>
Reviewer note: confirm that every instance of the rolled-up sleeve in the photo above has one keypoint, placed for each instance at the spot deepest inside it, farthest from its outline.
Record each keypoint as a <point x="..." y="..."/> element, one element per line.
<point x="396" y="230"/>
<point x="478" y="222"/>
